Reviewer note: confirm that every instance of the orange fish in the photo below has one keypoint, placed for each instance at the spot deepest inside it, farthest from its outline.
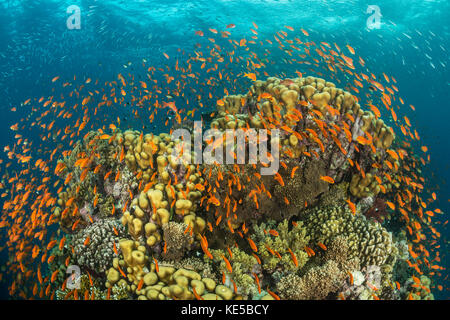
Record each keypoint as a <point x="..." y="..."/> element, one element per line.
<point x="327" y="179"/>
<point x="252" y="245"/>
<point x="276" y="297"/>
<point x="294" y="257"/>
<point x="227" y="264"/>
<point x="352" y="206"/>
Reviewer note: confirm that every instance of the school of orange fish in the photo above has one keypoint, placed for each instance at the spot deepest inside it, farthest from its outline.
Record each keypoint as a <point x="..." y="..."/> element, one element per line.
<point x="36" y="239"/>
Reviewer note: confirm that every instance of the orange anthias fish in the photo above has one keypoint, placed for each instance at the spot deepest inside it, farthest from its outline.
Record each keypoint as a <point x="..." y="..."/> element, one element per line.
<point x="171" y="106"/>
<point x="294" y="257"/>
<point x="79" y="142"/>
<point x="227" y="264"/>
<point x="275" y="296"/>
<point x="327" y="179"/>
<point x="252" y="245"/>
<point x="251" y="76"/>
<point x="352" y="206"/>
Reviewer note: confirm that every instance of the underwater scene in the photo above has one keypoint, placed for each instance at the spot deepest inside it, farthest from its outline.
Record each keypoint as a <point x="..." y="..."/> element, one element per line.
<point x="224" y="150"/>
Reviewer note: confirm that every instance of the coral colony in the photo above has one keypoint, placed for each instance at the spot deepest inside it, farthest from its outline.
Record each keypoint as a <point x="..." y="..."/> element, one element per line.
<point x="137" y="221"/>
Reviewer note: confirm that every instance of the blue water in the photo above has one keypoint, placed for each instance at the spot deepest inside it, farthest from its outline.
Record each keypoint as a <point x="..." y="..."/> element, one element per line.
<point x="412" y="45"/>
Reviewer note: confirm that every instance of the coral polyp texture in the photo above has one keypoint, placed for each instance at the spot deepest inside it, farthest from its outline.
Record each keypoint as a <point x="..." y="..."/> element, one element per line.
<point x="141" y="223"/>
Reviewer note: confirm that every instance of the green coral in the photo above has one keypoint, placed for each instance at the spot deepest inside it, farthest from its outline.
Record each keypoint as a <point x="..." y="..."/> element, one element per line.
<point x="367" y="240"/>
<point x="94" y="290"/>
<point x="106" y="206"/>
<point x="280" y="240"/>
<point x="419" y="290"/>
<point x="242" y="266"/>
<point x="295" y="239"/>
<point x="244" y="282"/>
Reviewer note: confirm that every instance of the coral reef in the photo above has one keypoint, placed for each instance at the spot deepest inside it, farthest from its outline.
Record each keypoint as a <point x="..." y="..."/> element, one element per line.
<point x="149" y="225"/>
<point x="324" y="133"/>
<point x="89" y="195"/>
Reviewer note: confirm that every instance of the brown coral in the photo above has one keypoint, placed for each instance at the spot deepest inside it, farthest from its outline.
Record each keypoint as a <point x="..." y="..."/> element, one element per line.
<point x="316" y="284"/>
<point x="176" y="240"/>
<point x="377" y="211"/>
<point x="339" y="251"/>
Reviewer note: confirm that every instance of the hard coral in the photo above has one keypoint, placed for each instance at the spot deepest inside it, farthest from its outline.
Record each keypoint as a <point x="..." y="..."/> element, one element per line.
<point x="177" y="241"/>
<point x="316" y="284"/>
<point x="367" y="240"/>
<point x="93" y="246"/>
<point x="283" y="241"/>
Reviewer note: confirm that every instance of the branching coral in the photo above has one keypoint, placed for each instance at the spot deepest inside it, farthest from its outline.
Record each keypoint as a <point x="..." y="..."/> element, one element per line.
<point x="339" y="251"/>
<point x="242" y="266"/>
<point x="282" y="248"/>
